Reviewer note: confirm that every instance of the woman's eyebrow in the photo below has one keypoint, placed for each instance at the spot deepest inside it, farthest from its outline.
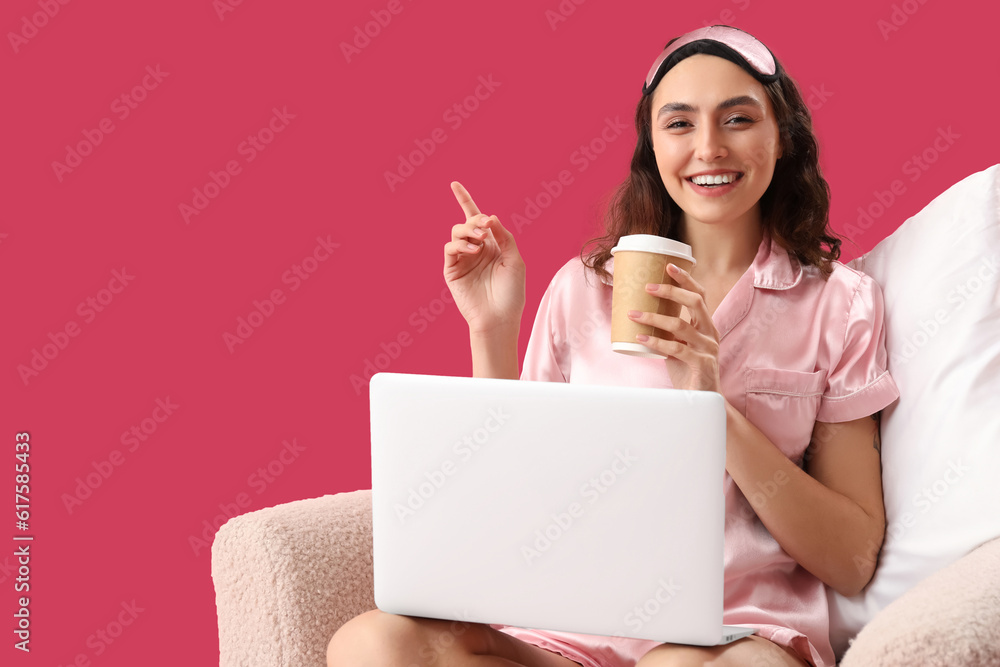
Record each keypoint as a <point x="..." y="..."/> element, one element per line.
<point x="725" y="104"/>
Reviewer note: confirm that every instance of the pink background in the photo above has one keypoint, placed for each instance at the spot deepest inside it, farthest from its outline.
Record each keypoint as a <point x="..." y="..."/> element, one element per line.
<point x="377" y="299"/>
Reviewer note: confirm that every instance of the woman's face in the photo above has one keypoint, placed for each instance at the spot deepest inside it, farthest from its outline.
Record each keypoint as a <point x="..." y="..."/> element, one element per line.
<point x="709" y="115"/>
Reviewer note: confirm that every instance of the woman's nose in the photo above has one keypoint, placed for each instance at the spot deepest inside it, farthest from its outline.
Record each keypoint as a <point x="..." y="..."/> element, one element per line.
<point x="709" y="143"/>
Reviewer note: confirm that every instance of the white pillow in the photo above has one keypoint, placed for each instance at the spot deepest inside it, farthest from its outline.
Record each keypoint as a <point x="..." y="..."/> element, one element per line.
<point x="940" y="276"/>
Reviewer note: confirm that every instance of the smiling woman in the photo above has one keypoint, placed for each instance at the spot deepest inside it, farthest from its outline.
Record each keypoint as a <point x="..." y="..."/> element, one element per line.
<point x="726" y="162"/>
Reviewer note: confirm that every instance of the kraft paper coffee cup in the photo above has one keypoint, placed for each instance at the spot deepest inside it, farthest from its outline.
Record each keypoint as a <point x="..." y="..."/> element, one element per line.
<point x="641" y="259"/>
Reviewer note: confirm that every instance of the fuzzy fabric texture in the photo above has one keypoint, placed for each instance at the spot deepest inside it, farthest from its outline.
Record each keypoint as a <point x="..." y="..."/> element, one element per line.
<point x="950" y="619"/>
<point x="287" y="577"/>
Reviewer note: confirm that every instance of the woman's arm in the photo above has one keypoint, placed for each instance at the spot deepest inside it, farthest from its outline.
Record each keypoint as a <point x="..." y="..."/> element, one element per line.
<point x="494" y="354"/>
<point x="829" y="517"/>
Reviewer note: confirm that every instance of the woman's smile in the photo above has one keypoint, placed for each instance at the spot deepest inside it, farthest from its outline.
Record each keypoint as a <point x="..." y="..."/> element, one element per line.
<point x="711" y="184"/>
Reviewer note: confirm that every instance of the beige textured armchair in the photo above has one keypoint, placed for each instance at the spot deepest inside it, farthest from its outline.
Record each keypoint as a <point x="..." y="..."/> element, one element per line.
<point x="287" y="577"/>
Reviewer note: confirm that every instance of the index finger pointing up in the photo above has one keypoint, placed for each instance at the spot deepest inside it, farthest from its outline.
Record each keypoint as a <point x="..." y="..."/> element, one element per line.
<point x="465" y="199"/>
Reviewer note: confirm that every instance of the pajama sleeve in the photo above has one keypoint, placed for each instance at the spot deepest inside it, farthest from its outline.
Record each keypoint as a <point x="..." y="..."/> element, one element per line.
<point x="859" y="383"/>
<point x="547" y="358"/>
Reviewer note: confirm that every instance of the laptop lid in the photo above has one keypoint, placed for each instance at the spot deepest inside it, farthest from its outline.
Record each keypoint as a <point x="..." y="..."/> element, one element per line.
<point x="580" y="508"/>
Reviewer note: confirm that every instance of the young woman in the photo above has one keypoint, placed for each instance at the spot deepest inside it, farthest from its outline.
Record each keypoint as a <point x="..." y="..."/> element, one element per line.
<point x="726" y="161"/>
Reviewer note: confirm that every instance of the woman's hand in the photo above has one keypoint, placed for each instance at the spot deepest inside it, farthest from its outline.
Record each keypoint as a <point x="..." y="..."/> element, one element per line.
<point x="486" y="280"/>
<point x="693" y="359"/>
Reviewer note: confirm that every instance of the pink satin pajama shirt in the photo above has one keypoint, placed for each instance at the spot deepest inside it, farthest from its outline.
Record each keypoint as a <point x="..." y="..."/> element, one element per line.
<point x="794" y="350"/>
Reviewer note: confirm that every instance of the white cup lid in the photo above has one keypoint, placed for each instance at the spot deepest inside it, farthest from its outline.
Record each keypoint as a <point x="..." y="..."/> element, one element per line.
<point x="654" y="243"/>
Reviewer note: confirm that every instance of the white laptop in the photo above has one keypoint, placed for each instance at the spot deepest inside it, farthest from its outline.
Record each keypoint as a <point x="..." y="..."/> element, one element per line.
<point x="548" y="505"/>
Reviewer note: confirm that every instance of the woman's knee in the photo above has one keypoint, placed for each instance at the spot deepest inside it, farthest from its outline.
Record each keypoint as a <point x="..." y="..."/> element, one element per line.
<point x="750" y="651"/>
<point x="678" y="655"/>
<point x="379" y="638"/>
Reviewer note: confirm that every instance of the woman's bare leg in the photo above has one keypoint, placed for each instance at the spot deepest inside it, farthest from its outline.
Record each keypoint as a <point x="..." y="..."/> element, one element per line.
<point x="752" y="651"/>
<point x="380" y="639"/>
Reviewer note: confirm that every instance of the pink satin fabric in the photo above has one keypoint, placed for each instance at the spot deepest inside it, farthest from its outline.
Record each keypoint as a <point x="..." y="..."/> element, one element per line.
<point x="755" y="53"/>
<point x="794" y="349"/>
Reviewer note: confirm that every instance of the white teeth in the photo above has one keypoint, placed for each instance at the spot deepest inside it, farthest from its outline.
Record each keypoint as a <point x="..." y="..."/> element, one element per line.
<point x="714" y="180"/>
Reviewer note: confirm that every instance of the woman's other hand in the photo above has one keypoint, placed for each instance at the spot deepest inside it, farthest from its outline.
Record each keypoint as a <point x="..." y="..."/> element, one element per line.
<point x="484" y="270"/>
<point x="693" y="358"/>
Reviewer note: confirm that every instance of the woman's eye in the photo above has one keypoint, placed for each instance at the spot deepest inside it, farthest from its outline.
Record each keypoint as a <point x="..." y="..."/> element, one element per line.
<point x="739" y="120"/>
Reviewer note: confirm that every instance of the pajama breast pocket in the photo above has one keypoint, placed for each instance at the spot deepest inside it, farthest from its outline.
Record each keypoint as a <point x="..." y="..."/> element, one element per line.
<point x="783" y="405"/>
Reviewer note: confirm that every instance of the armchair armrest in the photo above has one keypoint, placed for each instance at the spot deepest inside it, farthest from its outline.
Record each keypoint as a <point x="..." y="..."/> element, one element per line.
<point x="287" y="577"/>
<point x="951" y="618"/>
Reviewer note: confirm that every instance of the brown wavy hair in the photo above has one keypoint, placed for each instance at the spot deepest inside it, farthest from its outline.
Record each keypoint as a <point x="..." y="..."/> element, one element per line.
<point x="795" y="208"/>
